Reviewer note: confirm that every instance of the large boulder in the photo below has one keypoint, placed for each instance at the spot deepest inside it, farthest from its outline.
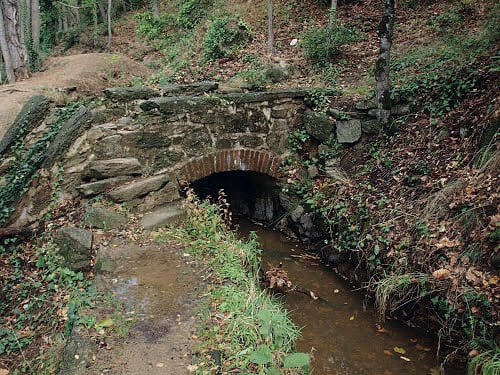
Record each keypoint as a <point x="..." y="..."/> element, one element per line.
<point x="101" y="218"/>
<point x="75" y="245"/>
<point x="139" y="188"/>
<point x="114" y="167"/>
<point x="318" y="125"/>
<point x="348" y="131"/>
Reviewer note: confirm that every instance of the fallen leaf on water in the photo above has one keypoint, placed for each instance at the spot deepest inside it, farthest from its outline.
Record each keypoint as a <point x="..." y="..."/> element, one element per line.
<point x="382" y="330"/>
<point x="441" y="274"/>
<point x="351" y="318"/>
<point x="435" y="371"/>
<point x="388" y="353"/>
<point x="405" y="358"/>
<point x="399" y="350"/>
<point x="413" y="340"/>
<point x="313" y="296"/>
<point x="192" y="368"/>
<point x="473" y="353"/>
<point x="159" y="364"/>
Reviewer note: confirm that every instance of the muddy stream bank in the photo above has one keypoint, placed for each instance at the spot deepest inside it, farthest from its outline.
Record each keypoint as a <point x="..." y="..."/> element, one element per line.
<point x="346" y="337"/>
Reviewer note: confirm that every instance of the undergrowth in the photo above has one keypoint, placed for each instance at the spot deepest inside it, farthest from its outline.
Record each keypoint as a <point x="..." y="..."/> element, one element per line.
<point x="249" y="329"/>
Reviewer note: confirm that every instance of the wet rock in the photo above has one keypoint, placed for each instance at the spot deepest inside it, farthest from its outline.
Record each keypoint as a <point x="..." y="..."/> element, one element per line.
<point x="98" y="187"/>
<point x="348" y="131"/>
<point x="31" y="115"/>
<point x="297" y="213"/>
<point x="114" y="167"/>
<point x="318" y="125"/>
<point x="139" y="188"/>
<point x="373" y="113"/>
<point x="127" y="94"/>
<point x="335" y="113"/>
<point x="101" y="218"/>
<point x="75" y="245"/>
<point x="306" y="222"/>
<point x="162" y="217"/>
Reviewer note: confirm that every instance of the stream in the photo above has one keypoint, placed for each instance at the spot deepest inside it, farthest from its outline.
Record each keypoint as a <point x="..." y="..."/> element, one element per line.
<point x="343" y="335"/>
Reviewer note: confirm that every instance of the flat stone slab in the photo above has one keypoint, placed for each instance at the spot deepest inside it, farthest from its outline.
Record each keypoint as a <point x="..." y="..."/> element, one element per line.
<point x="163" y="216"/>
<point x="348" y="131"/>
<point x="98" y="187"/>
<point x="101" y="218"/>
<point x="100" y="169"/>
<point x="125" y="94"/>
<point x="139" y="188"/>
<point x="196" y="88"/>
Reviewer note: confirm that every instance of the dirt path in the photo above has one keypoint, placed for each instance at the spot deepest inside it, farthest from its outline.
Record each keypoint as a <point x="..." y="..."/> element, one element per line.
<point x="157" y="288"/>
<point x="68" y="76"/>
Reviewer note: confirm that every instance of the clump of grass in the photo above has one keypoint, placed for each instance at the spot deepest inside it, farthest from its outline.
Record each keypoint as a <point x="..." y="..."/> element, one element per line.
<point x="395" y="290"/>
<point x="487" y="363"/>
<point x="248" y="328"/>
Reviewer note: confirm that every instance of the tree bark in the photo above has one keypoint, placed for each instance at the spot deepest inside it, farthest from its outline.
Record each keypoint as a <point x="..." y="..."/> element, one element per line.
<point x="9" y="67"/>
<point x="156" y="10"/>
<point x="14" y="38"/>
<point x="110" y="36"/>
<point x="35" y="25"/>
<point x="270" y="28"/>
<point x="385" y="31"/>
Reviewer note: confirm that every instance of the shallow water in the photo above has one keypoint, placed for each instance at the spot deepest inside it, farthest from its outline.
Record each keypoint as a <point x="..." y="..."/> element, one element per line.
<point x="342" y="335"/>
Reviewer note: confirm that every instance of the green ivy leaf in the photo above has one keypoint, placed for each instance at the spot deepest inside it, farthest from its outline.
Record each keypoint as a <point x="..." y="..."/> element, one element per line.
<point x="262" y="355"/>
<point x="296" y="360"/>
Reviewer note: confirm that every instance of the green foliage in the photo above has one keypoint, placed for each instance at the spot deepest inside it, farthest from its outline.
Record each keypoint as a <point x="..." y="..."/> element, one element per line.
<point x="151" y="27"/>
<point x="487" y="363"/>
<point x="190" y="12"/>
<point x="254" y="76"/>
<point x="252" y="328"/>
<point x="224" y="37"/>
<point x="322" y="45"/>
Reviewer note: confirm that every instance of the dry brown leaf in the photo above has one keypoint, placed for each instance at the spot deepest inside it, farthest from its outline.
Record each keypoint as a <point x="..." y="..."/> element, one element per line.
<point x="423" y="348"/>
<point x="441" y="274"/>
<point x="388" y="353"/>
<point x="446" y="242"/>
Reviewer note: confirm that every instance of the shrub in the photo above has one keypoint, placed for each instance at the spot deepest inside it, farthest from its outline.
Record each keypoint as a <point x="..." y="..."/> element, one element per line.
<point x="151" y="27"/>
<point x="224" y="37"/>
<point x="321" y="45"/>
<point x="191" y="12"/>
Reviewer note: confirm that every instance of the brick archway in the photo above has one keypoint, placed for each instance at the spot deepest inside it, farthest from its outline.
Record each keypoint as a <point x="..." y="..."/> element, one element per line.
<point x="230" y="160"/>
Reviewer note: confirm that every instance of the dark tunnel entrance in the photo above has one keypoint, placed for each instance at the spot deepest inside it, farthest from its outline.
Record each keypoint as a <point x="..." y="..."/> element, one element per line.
<point x="252" y="194"/>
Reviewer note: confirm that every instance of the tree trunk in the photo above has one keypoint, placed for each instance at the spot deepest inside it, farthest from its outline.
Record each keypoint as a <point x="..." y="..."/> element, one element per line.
<point x="156" y="10"/>
<point x="35" y="25"/>
<point x="385" y="31"/>
<point x="9" y="67"/>
<point x="13" y="36"/>
<point x="109" y="25"/>
<point x="270" y="29"/>
<point x="102" y="10"/>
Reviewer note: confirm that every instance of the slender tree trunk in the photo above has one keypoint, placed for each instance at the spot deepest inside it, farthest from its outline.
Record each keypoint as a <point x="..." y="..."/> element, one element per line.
<point x="13" y="35"/>
<point x="102" y="10"/>
<point x="109" y="25"/>
<point x="156" y="10"/>
<point x="385" y="31"/>
<point x="270" y="28"/>
<point x="35" y="25"/>
<point x="9" y="67"/>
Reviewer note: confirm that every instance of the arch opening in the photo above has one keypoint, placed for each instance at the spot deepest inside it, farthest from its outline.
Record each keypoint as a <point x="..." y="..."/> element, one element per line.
<point x="252" y="194"/>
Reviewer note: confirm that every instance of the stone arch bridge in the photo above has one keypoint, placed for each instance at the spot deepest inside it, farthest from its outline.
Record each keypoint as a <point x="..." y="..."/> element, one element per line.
<point x="140" y="145"/>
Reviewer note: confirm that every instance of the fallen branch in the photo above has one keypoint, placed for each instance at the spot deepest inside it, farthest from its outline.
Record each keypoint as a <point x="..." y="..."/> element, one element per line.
<point x="18" y="232"/>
